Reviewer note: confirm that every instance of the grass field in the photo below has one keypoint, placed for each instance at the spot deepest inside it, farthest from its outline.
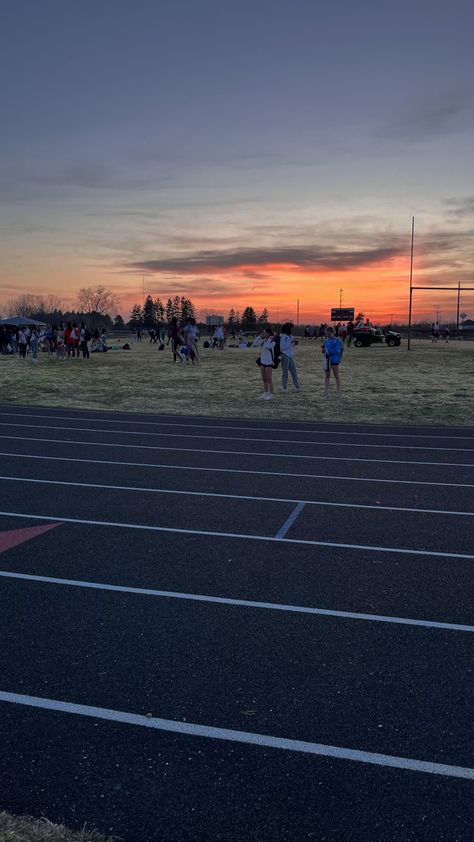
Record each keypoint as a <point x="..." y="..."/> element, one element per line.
<point x="432" y="384"/>
<point x="26" y="829"/>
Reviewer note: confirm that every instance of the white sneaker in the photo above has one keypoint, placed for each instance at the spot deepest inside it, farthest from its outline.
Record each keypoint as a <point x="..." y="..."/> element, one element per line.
<point x="262" y="397"/>
<point x="268" y="397"/>
<point x="284" y="388"/>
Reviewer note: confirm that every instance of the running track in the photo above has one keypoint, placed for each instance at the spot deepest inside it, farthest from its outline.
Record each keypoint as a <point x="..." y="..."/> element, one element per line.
<point x="237" y="630"/>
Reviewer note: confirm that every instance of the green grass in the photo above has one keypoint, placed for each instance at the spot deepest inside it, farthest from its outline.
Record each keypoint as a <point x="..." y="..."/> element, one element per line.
<point x="27" y="829"/>
<point x="432" y="384"/>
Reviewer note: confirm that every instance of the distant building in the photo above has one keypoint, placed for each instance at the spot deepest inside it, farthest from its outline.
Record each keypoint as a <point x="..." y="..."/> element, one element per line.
<point x="467" y="324"/>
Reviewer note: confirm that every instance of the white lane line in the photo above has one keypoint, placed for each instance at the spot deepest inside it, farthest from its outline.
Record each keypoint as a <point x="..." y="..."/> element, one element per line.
<point x="191" y="729"/>
<point x="241" y="603"/>
<point x="241" y="535"/>
<point x="178" y="425"/>
<point x="236" y="471"/>
<point x="252" y="453"/>
<point x="239" y="438"/>
<point x="290" y="521"/>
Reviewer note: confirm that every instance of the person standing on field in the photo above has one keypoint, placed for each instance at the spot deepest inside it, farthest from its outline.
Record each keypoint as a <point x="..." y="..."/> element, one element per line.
<point x="34" y="340"/>
<point x="287" y="350"/>
<point x="266" y="342"/>
<point x="333" y="349"/>
<point x="84" y="337"/>
<point x="22" y="344"/>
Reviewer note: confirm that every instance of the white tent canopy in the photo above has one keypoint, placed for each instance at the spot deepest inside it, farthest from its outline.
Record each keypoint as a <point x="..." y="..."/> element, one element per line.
<point x="20" y="321"/>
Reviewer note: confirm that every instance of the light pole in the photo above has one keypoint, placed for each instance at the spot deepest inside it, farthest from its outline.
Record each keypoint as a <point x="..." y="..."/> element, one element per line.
<point x="340" y="297"/>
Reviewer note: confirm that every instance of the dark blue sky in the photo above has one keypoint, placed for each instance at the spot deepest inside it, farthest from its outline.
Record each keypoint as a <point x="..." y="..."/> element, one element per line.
<point x="133" y="131"/>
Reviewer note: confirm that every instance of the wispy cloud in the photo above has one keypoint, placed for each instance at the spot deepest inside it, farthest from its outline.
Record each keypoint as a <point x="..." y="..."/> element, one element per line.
<point x="298" y="257"/>
<point x="429" y="120"/>
<point x="460" y="206"/>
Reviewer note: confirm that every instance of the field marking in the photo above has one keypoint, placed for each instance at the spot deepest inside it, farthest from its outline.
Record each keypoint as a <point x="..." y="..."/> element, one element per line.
<point x="241" y="535"/>
<point x="191" y="729"/>
<point x="290" y="520"/>
<point x="299" y="507"/>
<point x="258" y="429"/>
<point x="241" y="452"/>
<point x="241" y="603"/>
<point x="236" y="471"/>
<point x="240" y="438"/>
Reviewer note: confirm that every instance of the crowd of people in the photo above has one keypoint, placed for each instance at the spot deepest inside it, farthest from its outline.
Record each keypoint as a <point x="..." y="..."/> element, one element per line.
<point x="280" y="347"/>
<point x="65" y="341"/>
<point x="437" y="332"/>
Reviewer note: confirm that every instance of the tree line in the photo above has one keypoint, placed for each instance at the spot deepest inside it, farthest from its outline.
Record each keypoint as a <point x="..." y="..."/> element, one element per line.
<point x="98" y="305"/>
<point x="154" y="312"/>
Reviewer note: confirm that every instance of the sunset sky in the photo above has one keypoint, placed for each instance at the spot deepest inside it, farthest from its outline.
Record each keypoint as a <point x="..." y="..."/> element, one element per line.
<point x="238" y="152"/>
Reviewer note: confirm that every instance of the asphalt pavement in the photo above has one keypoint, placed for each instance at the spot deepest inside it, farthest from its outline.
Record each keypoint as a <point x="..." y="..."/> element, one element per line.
<point x="235" y="629"/>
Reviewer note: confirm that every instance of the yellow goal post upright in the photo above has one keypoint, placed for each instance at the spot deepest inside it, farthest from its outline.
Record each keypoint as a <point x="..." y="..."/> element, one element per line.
<point x="459" y="288"/>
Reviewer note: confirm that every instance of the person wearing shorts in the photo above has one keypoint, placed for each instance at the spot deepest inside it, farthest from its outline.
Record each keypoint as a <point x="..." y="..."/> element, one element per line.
<point x="333" y="349"/>
<point x="266" y="343"/>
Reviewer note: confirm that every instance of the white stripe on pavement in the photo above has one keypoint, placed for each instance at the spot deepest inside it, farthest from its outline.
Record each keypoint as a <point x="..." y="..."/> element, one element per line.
<point x="241" y="603"/>
<point x="191" y="729"/>
<point x="242" y="452"/>
<point x="247" y="537"/>
<point x="290" y="520"/>
<point x="178" y="425"/>
<point x="238" y="438"/>
<point x="237" y="471"/>
<point x="301" y="503"/>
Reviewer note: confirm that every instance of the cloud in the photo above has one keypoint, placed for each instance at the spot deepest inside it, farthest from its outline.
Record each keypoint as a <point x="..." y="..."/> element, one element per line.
<point x="425" y="121"/>
<point x="297" y="257"/>
<point x="460" y="207"/>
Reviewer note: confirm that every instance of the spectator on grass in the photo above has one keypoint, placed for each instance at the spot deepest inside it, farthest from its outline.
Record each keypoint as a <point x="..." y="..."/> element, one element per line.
<point x="34" y="340"/>
<point x="68" y="340"/>
<point x="446" y="334"/>
<point x="287" y="350"/>
<point x="173" y="337"/>
<point x="22" y="344"/>
<point x="350" y="332"/>
<point x="219" y="336"/>
<point x="333" y="349"/>
<point x="84" y="337"/>
<point x="191" y="335"/>
<point x="266" y="342"/>
<point x="58" y="334"/>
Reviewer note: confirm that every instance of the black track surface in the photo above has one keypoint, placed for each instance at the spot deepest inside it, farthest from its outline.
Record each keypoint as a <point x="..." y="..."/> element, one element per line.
<point x="377" y="687"/>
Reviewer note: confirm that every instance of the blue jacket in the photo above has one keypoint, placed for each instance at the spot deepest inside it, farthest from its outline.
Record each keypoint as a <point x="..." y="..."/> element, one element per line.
<point x="334" y="348"/>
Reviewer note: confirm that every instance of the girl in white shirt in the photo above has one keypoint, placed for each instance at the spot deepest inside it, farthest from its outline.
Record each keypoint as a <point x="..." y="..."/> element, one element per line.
<point x="288" y="357"/>
<point x="266" y="343"/>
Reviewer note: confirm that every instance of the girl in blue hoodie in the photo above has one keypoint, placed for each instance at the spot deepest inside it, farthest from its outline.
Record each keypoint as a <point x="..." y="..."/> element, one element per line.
<point x="333" y="349"/>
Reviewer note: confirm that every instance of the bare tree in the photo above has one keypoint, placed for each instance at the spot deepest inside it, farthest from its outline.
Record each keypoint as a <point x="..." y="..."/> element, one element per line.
<point x="34" y="306"/>
<point x="97" y="300"/>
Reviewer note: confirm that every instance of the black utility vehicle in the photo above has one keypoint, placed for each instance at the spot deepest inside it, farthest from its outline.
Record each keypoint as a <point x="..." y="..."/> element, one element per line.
<point x="363" y="337"/>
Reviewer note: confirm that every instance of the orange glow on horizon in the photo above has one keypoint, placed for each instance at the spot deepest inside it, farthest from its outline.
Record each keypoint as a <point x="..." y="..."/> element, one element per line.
<point x="380" y="291"/>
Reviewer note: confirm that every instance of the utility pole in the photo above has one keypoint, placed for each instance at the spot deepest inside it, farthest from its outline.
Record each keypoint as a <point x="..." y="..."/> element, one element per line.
<point x="459" y="302"/>
<point x="411" y="282"/>
<point x="340" y="297"/>
<point x="297" y="312"/>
